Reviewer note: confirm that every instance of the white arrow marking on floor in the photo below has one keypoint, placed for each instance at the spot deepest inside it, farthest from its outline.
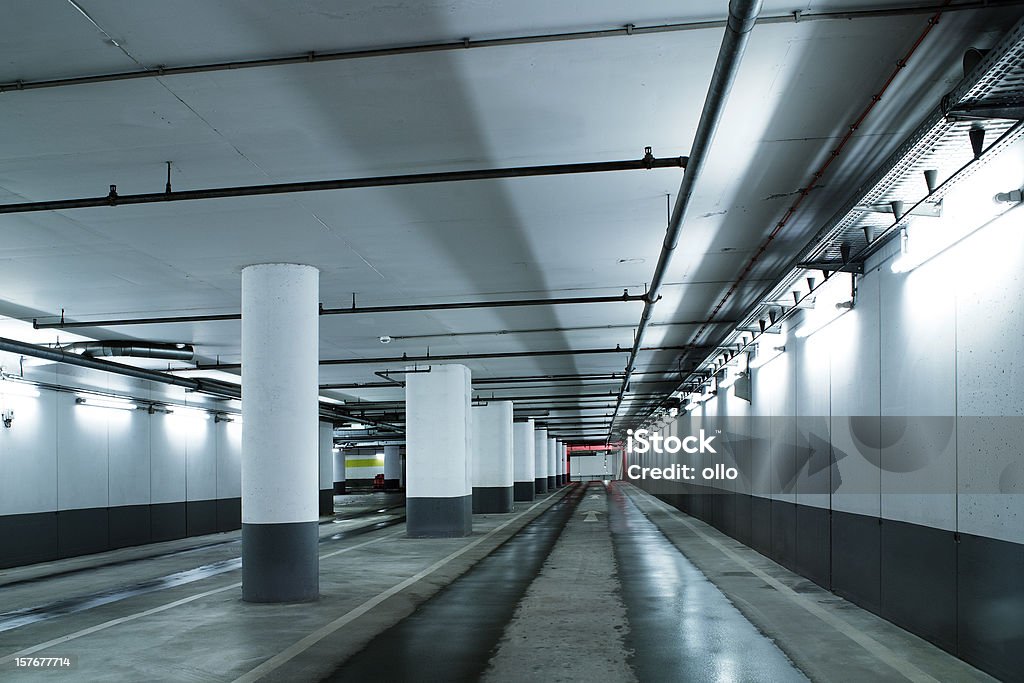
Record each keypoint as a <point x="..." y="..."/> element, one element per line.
<point x="591" y="516"/>
<point x="594" y="495"/>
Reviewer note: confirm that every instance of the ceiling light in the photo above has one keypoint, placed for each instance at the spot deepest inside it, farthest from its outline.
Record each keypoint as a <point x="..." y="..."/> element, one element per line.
<point x="115" y="403"/>
<point x="385" y="339"/>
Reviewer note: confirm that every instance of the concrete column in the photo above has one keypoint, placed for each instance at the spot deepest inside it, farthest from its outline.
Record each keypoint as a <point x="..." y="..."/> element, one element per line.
<point x="524" y="465"/>
<point x="559" y="482"/>
<point x="280" y="432"/>
<point x="339" y="472"/>
<point x="565" y="464"/>
<point x="392" y="468"/>
<point x="491" y="459"/>
<point x="326" y="469"/>
<point x="439" y="498"/>
<point x="552" y="463"/>
<point x="540" y="459"/>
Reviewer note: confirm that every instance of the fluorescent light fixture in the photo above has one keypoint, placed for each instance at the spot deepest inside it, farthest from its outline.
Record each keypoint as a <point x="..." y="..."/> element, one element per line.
<point x="114" y="403"/>
<point x="672" y="412"/>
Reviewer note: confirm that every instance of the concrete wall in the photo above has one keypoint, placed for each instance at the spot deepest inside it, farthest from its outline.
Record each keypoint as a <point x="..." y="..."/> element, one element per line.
<point x="76" y="479"/>
<point x="881" y="456"/>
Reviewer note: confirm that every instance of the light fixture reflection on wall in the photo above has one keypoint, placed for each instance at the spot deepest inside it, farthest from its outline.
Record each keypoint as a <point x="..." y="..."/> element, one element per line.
<point x="12" y="388"/>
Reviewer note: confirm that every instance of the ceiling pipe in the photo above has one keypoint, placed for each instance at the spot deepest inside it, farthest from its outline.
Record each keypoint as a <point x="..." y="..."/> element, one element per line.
<point x="313" y="57"/>
<point x="649" y="161"/>
<point x="625" y="297"/>
<point x="454" y="357"/>
<point x="742" y="15"/>
<point x="204" y="386"/>
<point x="133" y="349"/>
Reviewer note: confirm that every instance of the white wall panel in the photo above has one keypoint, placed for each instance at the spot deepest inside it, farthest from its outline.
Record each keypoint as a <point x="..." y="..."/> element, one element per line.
<point x="82" y="465"/>
<point x="129" y="457"/>
<point x="168" y="457"/>
<point x="918" y="399"/>
<point x="28" y="455"/>
<point x="229" y="459"/>
<point x="855" y="386"/>
<point x="200" y="454"/>
<point x="812" y="401"/>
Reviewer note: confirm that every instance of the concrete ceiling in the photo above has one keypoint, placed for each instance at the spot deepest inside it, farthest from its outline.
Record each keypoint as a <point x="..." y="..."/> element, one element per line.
<point x="800" y="85"/>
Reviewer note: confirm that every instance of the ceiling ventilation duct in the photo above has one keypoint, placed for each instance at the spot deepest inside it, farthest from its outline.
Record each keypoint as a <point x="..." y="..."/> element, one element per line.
<point x="133" y="349"/>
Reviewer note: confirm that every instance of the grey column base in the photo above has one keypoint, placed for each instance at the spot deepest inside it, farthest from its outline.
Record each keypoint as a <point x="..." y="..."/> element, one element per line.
<point x="391" y="485"/>
<point x="492" y="499"/>
<point x="540" y="485"/>
<point x="439" y="517"/>
<point x="522" y="491"/>
<point x="551" y="483"/>
<point x="339" y="488"/>
<point x="326" y="502"/>
<point x="280" y="562"/>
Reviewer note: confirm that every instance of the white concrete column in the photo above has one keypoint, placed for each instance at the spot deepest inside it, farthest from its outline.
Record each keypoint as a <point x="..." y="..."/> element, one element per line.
<point x="563" y="466"/>
<point x="491" y="459"/>
<point x="552" y="463"/>
<point x="392" y="468"/>
<point x="339" y="471"/>
<point x="326" y="469"/>
<point x="280" y="432"/>
<point x="540" y="459"/>
<point x="438" y="433"/>
<point x="523" y="456"/>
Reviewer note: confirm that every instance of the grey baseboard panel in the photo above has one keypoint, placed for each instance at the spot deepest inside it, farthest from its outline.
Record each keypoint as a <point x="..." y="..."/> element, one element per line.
<point x="492" y="499"/>
<point x="540" y="485"/>
<point x="392" y="484"/>
<point x="326" y="502"/>
<point x="439" y="517"/>
<point x="280" y="562"/>
<point x="45" y="536"/>
<point x="551" y="483"/>
<point x="523" y="491"/>
<point x="339" y="488"/>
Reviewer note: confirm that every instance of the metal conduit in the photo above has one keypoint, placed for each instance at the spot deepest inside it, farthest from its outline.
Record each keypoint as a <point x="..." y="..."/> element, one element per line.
<point x="468" y="44"/>
<point x="742" y="15"/>
<point x="353" y="310"/>
<point x="114" y="199"/>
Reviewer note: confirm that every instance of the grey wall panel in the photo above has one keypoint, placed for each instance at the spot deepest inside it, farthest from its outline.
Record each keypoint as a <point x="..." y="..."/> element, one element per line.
<point x="990" y="476"/>
<point x="784" y="533"/>
<point x="82" y="531"/>
<point x="856" y="558"/>
<point x="761" y="525"/>
<point x="918" y="580"/>
<point x="167" y="521"/>
<point x="27" y="539"/>
<point x="990" y="609"/>
<point x="812" y="402"/>
<point x="229" y="514"/>
<point x="200" y="517"/>
<point x="129" y="525"/>
<point x="813" y="537"/>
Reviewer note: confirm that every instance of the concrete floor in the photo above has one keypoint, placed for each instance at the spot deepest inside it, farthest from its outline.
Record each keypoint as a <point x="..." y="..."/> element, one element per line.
<point x="602" y="583"/>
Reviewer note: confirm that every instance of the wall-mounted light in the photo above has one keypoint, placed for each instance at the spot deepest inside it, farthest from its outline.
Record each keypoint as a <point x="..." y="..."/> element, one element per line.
<point x="113" y="403"/>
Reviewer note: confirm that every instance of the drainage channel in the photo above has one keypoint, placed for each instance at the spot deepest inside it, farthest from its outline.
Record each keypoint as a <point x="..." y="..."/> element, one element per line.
<point x="682" y="628"/>
<point x="452" y="636"/>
